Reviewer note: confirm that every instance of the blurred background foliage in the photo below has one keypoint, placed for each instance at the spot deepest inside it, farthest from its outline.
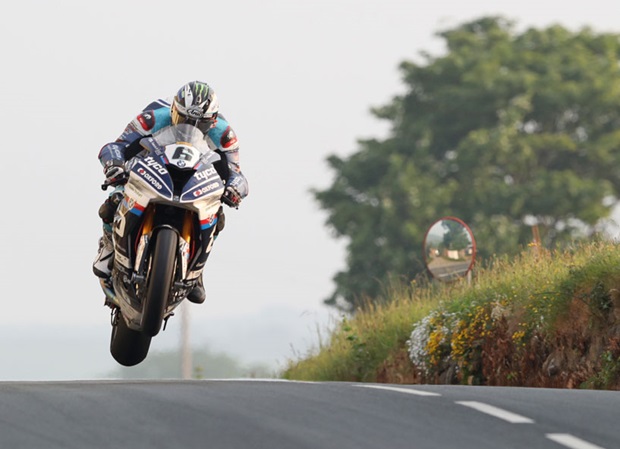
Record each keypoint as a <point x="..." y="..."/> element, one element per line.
<point x="506" y="130"/>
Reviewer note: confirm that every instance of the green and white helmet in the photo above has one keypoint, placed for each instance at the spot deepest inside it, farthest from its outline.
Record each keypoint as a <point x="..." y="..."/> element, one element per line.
<point x="196" y="104"/>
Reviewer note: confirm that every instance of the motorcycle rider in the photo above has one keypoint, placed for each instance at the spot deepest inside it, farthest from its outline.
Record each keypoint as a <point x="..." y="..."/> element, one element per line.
<point x="195" y="103"/>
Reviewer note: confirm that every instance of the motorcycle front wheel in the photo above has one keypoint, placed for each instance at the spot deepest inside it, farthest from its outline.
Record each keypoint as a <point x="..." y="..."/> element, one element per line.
<point x="127" y="346"/>
<point x="159" y="280"/>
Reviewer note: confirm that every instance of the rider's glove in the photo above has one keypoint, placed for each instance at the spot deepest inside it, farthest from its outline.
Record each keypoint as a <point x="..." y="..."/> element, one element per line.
<point x="231" y="197"/>
<point x="115" y="172"/>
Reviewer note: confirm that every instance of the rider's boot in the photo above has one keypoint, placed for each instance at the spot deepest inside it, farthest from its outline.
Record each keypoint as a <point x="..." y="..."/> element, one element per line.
<point x="102" y="267"/>
<point x="198" y="295"/>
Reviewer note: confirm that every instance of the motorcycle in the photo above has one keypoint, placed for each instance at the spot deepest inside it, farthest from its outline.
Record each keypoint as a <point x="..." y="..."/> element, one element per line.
<point x="163" y="230"/>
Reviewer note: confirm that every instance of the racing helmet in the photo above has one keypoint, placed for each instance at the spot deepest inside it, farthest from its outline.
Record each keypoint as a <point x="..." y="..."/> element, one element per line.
<point x="195" y="104"/>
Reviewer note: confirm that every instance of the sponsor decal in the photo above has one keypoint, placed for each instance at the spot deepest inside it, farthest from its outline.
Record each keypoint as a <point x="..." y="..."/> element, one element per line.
<point x="137" y="209"/>
<point x="206" y="174"/>
<point x="148" y="177"/>
<point x="229" y="138"/>
<point x="194" y="111"/>
<point x="115" y="151"/>
<point x="146" y="120"/>
<point x="153" y="164"/>
<point x="128" y="202"/>
<point x="208" y="222"/>
<point x="206" y="189"/>
<point x="122" y="260"/>
<point x="235" y="182"/>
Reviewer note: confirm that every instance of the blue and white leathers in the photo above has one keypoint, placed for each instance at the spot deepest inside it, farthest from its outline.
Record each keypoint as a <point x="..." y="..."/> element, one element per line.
<point x="156" y="116"/>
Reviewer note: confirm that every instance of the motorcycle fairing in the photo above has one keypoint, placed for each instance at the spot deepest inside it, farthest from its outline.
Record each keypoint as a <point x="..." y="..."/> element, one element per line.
<point x="151" y="170"/>
<point x="171" y="183"/>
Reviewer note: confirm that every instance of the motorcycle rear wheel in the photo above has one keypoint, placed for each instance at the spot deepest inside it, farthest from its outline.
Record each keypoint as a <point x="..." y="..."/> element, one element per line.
<point x="127" y="346"/>
<point x="159" y="281"/>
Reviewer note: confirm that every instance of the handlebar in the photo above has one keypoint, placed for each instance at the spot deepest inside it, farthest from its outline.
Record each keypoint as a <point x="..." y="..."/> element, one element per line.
<point x="114" y="182"/>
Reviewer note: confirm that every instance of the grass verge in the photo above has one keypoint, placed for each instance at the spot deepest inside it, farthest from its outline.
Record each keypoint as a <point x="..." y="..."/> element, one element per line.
<point x="544" y="318"/>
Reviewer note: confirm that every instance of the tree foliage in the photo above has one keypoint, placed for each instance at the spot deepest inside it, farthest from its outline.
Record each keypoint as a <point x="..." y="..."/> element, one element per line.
<point x="505" y="130"/>
<point x="455" y="237"/>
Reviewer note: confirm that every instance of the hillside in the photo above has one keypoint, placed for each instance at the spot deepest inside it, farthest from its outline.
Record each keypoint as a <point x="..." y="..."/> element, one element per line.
<point x="543" y="319"/>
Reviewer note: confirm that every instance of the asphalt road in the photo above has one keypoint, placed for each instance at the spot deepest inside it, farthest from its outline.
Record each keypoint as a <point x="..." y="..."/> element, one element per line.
<point x="448" y="271"/>
<point x="277" y="414"/>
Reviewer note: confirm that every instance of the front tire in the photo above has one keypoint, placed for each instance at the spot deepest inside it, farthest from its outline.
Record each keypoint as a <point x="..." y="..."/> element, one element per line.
<point x="127" y="346"/>
<point x="159" y="282"/>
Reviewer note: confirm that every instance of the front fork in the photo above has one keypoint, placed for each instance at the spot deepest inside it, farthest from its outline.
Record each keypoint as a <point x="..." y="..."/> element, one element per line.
<point x="186" y="253"/>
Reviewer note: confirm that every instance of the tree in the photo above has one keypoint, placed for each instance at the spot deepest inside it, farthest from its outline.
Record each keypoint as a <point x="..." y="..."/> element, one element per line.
<point x="505" y="131"/>
<point x="455" y="237"/>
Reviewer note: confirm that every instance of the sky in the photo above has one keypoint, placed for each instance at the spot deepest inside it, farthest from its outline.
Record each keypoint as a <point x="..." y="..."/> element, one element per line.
<point x="296" y="80"/>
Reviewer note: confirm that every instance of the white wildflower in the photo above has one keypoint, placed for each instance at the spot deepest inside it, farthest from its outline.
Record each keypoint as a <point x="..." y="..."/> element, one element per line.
<point x="422" y="330"/>
<point x="418" y="342"/>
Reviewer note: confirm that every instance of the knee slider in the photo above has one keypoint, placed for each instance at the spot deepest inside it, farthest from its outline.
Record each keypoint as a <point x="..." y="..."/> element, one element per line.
<point x="106" y="212"/>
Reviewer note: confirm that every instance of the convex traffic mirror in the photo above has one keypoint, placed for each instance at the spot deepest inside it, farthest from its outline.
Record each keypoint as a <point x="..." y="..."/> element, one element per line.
<point x="449" y="249"/>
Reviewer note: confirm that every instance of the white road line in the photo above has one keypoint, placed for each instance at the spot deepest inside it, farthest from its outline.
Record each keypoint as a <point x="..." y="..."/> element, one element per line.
<point x="497" y="412"/>
<point x="257" y="379"/>
<point x="570" y="441"/>
<point x="401" y="390"/>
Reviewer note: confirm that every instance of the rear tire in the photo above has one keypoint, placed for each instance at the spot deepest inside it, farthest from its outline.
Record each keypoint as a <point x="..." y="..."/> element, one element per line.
<point x="127" y="346"/>
<point x="159" y="282"/>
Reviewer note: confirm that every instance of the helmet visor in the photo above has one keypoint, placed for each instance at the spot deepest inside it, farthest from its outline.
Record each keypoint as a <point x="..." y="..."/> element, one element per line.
<point x="202" y="121"/>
